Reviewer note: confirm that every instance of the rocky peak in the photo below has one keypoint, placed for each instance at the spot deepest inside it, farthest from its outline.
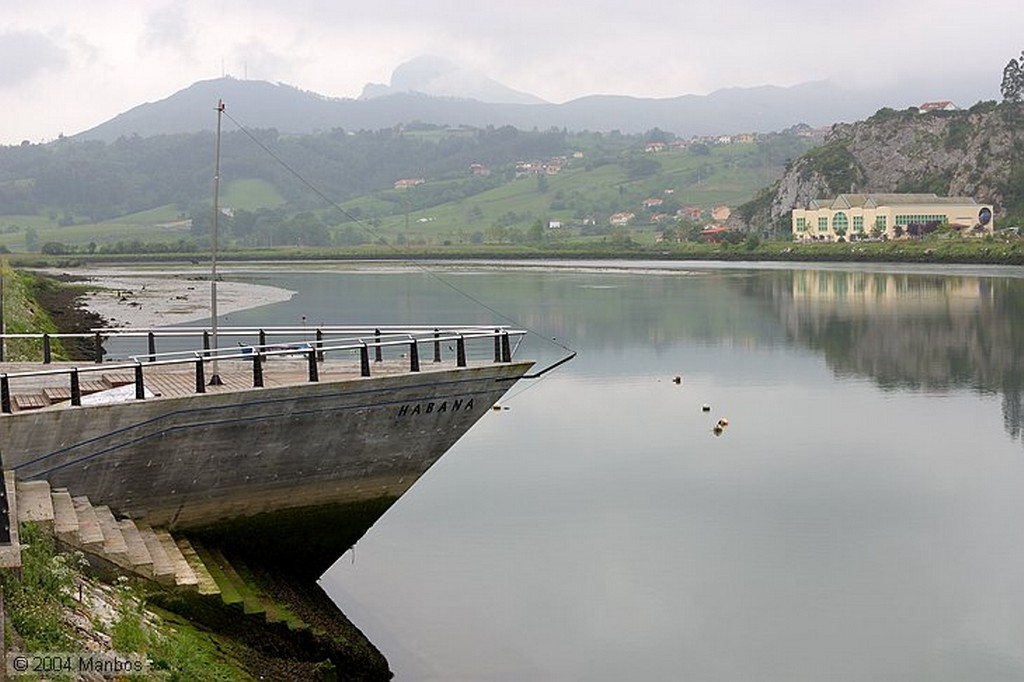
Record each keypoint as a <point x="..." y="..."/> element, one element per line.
<point x="974" y="153"/>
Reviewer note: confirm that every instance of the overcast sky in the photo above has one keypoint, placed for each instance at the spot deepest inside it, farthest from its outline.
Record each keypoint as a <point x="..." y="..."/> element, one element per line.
<point x="68" y="65"/>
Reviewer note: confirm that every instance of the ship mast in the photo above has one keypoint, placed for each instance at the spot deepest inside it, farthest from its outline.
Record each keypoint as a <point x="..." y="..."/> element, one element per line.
<point x="215" y="375"/>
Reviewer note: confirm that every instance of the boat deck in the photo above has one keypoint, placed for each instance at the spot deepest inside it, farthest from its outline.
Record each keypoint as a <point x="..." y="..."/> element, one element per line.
<point x="53" y="389"/>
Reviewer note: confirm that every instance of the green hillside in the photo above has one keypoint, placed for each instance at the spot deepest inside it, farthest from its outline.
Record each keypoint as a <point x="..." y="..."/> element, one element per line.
<point x="584" y="192"/>
<point x="463" y="185"/>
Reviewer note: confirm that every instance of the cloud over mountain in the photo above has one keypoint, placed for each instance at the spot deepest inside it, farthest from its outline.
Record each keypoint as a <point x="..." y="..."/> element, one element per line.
<point x="440" y="77"/>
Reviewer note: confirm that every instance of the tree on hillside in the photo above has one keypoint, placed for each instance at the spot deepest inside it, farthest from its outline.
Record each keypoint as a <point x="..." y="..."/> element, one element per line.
<point x="1013" y="80"/>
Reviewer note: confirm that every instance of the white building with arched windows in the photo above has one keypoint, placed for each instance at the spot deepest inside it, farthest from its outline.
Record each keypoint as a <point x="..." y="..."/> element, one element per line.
<point x="860" y="216"/>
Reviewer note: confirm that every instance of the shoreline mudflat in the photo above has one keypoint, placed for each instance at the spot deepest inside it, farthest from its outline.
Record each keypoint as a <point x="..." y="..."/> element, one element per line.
<point x="130" y="298"/>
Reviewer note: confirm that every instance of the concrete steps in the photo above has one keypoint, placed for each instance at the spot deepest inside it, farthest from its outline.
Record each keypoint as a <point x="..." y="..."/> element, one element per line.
<point x="138" y="548"/>
<point x="205" y="584"/>
<point x="153" y="554"/>
<point x="162" y="566"/>
<point x="10" y="554"/>
<point x="35" y="503"/>
<point x="241" y="591"/>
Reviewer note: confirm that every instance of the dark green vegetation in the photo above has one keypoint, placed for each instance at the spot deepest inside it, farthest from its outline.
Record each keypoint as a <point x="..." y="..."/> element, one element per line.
<point x="1012" y="86"/>
<point x="491" y="185"/>
<point x="36" y="599"/>
<point x="39" y="599"/>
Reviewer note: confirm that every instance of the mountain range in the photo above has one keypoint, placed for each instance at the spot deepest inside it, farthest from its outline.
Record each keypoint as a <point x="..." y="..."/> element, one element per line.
<point x="435" y="91"/>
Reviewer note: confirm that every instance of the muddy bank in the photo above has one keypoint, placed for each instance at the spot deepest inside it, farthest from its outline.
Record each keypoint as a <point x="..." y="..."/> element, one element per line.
<point x="129" y="298"/>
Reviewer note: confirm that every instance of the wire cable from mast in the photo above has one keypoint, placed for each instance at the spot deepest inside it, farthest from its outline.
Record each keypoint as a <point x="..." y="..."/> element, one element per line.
<point x="334" y="204"/>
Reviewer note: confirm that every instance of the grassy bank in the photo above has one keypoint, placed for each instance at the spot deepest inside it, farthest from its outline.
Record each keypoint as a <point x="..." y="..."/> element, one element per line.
<point x="52" y="605"/>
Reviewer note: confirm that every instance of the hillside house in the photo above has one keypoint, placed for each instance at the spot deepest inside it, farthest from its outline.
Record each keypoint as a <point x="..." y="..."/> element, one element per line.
<point x="620" y="219"/>
<point x="652" y="202"/>
<point x="720" y="213"/>
<point x="479" y="170"/>
<point x="714" y="233"/>
<point x="944" y="105"/>
<point x="695" y="213"/>
<point x="406" y="183"/>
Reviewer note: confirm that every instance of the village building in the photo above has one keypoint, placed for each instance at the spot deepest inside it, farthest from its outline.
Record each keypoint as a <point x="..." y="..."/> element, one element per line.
<point x="695" y="213"/>
<point x="714" y="233"/>
<point x="891" y="215"/>
<point x="406" y="183"/>
<point x="623" y="218"/>
<point x="944" y="105"/>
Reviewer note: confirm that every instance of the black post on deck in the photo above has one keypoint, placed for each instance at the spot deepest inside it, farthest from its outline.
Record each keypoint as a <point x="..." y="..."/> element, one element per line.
<point x="140" y="389"/>
<point x="497" y="346"/>
<point x="320" y="345"/>
<point x="46" y="349"/>
<point x="76" y="388"/>
<point x="414" y="357"/>
<point x="460" y="349"/>
<point x="437" y="346"/>
<point x="506" y="349"/>
<point x="206" y="344"/>
<point x="364" y="361"/>
<point x="97" y="347"/>
<point x="5" y="394"/>
<point x="200" y="376"/>
<point x="263" y="338"/>
<point x="5" y="512"/>
<point x="314" y="373"/>
<point x="377" y="353"/>
<point x="257" y="370"/>
<point x="152" y="346"/>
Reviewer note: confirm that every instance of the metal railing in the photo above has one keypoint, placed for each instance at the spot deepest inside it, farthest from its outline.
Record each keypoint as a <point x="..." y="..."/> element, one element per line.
<point x="326" y="340"/>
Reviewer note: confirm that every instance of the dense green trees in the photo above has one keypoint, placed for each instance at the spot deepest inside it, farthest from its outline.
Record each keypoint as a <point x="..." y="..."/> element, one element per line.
<point x="89" y="181"/>
<point x="1012" y="86"/>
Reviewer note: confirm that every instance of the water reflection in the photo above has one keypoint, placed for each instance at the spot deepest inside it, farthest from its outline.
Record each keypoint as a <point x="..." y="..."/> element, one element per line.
<point x="909" y="331"/>
<point x="857" y="520"/>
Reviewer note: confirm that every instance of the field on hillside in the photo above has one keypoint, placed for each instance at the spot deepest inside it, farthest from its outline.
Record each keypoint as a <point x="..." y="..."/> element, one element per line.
<point x="726" y="175"/>
<point x="572" y="196"/>
<point x="166" y="223"/>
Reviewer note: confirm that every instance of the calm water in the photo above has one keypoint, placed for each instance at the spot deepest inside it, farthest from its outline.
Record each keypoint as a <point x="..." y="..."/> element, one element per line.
<point x="861" y="518"/>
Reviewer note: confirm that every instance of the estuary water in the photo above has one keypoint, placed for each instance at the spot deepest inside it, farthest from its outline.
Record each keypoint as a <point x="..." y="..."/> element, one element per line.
<point x="861" y="517"/>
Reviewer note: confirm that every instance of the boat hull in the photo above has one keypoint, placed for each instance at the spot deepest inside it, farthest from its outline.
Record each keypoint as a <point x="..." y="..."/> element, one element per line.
<point x="200" y="460"/>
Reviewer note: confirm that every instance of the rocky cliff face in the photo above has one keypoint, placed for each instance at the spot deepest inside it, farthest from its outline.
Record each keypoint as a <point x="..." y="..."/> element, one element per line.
<point x="977" y="153"/>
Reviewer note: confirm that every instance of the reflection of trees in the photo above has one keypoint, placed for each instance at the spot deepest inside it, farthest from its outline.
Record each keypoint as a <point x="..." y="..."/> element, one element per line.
<point x="926" y="332"/>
